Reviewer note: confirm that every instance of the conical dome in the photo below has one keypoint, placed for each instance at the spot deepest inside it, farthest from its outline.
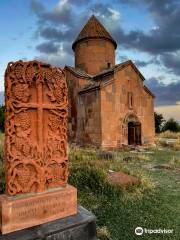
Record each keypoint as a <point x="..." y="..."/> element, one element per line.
<point x="93" y="29"/>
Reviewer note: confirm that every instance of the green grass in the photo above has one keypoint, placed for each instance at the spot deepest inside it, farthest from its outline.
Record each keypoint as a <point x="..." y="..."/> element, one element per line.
<point x="154" y="203"/>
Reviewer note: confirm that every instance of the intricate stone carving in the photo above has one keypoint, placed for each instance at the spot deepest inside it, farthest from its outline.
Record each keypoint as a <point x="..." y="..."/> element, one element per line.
<point x="36" y="127"/>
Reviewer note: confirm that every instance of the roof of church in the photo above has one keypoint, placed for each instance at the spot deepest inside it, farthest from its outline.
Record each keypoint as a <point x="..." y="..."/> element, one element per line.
<point x="93" y="29"/>
<point x="78" y="72"/>
<point x="99" y="77"/>
<point x="81" y="73"/>
<point x="148" y="91"/>
<point x="118" y="66"/>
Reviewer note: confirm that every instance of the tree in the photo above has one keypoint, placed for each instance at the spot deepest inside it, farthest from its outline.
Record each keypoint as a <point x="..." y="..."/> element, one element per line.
<point x="2" y="118"/>
<point x="171" y="125"/>
<point x="159" y="120"/>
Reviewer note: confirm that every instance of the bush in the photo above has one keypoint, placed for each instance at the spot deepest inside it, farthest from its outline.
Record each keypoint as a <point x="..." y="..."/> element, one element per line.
<point x="171" y="125"/>
<point x="90" y="178"/>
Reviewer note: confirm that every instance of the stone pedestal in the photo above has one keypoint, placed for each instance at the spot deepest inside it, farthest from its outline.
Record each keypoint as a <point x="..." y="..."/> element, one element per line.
<point x="81" y="226"/>
<point x="29" y="210"/>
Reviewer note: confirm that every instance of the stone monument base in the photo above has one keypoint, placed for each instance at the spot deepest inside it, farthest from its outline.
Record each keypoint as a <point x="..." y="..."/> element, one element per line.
<point x="29" y="210"/>
<point x="81" y="226"/>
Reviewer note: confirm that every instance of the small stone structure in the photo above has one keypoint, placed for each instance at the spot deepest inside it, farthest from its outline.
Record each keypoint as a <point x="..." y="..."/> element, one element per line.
<point x="109" y="104"/>
<point x="36" y="162"/>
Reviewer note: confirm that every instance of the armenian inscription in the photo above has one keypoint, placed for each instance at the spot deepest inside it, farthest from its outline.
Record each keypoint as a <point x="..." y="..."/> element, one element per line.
<point x="38" y="209"/>
<point x="35" y="128"/>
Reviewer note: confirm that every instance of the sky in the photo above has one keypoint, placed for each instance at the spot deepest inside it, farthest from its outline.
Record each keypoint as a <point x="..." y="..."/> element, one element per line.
<point x="146" y="31"/>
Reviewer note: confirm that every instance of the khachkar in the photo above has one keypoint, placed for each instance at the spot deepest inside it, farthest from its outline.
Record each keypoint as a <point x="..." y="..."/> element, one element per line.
<point x="36" y="163"/>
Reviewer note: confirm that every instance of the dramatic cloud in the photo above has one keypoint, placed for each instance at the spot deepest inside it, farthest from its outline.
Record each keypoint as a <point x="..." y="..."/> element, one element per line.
<point x="165" y="37"/>
<point x="172" y="62"/>
<point x="162" y="40"/>
<point x="59" y="26"/>
<point x="166" y="94"/>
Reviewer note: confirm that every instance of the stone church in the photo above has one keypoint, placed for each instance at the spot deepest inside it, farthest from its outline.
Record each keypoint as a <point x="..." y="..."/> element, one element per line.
<point x="109" y="104"/>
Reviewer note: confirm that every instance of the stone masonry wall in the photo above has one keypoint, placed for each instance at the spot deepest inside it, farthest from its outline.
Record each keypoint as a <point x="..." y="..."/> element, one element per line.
<point x="115" y="108"/>
<point x="89" y="122"/>
<point x="93" y="55"/>
<point x="74" y="85"/>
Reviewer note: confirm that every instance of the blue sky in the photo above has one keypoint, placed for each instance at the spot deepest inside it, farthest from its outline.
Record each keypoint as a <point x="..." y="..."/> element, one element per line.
<point x="147" y="31"/>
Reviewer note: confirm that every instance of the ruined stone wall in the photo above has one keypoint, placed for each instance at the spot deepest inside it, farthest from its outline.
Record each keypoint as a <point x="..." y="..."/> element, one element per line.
<point x="93" y="55"/>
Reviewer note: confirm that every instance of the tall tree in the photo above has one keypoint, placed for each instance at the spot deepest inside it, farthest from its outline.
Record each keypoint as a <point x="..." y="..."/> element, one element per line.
<point x="159" y="120"/>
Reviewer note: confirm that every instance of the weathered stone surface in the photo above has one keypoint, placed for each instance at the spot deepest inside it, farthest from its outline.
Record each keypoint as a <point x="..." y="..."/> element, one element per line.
<point x="122" y="179"/>
<point x="35" y="127"/>
<point x="33" y="209"/>
<point x="81" y="226"/>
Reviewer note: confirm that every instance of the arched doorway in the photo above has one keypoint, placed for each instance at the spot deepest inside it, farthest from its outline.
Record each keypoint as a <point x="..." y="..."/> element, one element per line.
<point x="133" y="126"/>
<point x="134" y="133"/>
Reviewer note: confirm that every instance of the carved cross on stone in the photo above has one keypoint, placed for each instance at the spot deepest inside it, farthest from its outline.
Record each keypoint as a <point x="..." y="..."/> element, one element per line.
<point x="36" y="127"/>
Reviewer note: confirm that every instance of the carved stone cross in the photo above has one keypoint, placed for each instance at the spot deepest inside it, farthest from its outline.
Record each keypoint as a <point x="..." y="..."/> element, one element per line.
<point x="36" y="126"/>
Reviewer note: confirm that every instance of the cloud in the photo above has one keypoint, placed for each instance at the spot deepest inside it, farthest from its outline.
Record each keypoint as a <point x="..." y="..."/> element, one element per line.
<point x="61" y="13"/>
<point x="47" y="47"/>
<point x="163" y="39"/>
<point x="141" y="63"/>
<point x="60" y="59"/>
<point x="59" y="26"/>
<point x="166" y="94"/>
<point x="172" y="62"/>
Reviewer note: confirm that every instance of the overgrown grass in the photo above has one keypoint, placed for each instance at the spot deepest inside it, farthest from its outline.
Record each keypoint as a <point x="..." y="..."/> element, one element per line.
<point x="119" y="210"/>
<point x="175" y="162"/>
<point x="175" y="145"/>
<point x="169" y="134"/>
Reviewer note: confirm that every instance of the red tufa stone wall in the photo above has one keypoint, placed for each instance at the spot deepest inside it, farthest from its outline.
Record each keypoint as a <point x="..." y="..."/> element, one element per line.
<point x="89" y="118"/>
<point x="74" y="85"/>
<point x="84" y="125"/>
<point x="115" y="108"/>
<point x="93" y="55"/>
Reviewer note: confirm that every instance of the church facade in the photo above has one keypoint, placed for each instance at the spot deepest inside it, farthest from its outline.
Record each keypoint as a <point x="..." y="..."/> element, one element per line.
<point x="109" y="105"/>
